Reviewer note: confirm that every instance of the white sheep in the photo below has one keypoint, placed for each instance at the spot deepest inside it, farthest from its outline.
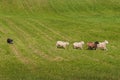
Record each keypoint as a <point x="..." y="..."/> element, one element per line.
<point x="102" y="45"/>
<point x="78" y="45"/>
<point x="61" y="44"/>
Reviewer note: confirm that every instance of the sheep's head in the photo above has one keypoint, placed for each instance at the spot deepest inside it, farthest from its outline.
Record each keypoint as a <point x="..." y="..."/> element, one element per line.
<point x="106" y="41"/>
<point x="67" y="43"/>
<point x="96" y="42"/>
<point x="82" y="42"/>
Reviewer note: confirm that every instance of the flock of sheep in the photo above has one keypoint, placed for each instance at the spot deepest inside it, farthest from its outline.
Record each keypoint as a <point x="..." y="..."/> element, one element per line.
<point x="79" y="45"/>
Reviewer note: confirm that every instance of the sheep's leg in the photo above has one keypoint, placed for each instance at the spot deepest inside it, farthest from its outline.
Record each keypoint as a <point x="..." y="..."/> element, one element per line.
<point x="74" y="47"/>
<point x="81" y="48"/>
<point x="105" y="49"/>
<point x="64" y="47"/>
<point x="95" y="48"/>
<point x="57" y="45"/>
<point x="89" y="48"/>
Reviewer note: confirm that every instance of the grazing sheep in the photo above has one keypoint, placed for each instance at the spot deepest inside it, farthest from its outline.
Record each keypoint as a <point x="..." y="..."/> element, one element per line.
<point x="102" y="45"/>
<point x="92" y="45"/>
<point x="62" y="44"/>
<point x="10" y="41"/>
<point x="78" y="45"/>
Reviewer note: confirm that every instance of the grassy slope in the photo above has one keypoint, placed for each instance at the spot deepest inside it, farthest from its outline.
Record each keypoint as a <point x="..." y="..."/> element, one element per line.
<point x="36" y="25"/>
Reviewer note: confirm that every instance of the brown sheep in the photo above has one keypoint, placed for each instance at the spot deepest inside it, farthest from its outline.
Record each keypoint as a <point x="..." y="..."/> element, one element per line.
<point x="92" y="45"/>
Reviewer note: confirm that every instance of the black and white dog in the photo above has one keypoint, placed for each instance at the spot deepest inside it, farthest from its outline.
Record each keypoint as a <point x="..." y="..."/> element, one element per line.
<point x="9" y="41"/>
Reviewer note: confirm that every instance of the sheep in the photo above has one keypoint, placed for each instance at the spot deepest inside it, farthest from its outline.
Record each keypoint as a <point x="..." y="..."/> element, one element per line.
<point x="62" y="44"/>
<point x="10" y="41"/>
<point x="102" y="45"/>
<point x="92" y="45"/>
<point x="78" y="45"/>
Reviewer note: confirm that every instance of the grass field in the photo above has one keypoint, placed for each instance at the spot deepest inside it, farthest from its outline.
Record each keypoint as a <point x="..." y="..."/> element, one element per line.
<point x="36" y="25"/>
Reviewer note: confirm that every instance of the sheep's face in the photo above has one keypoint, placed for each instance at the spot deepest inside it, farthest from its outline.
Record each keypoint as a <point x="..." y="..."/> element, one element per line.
<point x="96" y="42"/>
<point x="106" y="42"/>
<point x="82" y="42"/>
<point x="67" y="43"/>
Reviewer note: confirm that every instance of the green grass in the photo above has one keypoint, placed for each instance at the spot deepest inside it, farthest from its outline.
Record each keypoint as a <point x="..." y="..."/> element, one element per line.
<point x="36" y="25"/>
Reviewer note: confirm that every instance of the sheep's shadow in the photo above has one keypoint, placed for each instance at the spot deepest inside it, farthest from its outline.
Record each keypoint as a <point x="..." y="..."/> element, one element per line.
<point x="60" y="47"/>
<point x="89" y="48"/>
